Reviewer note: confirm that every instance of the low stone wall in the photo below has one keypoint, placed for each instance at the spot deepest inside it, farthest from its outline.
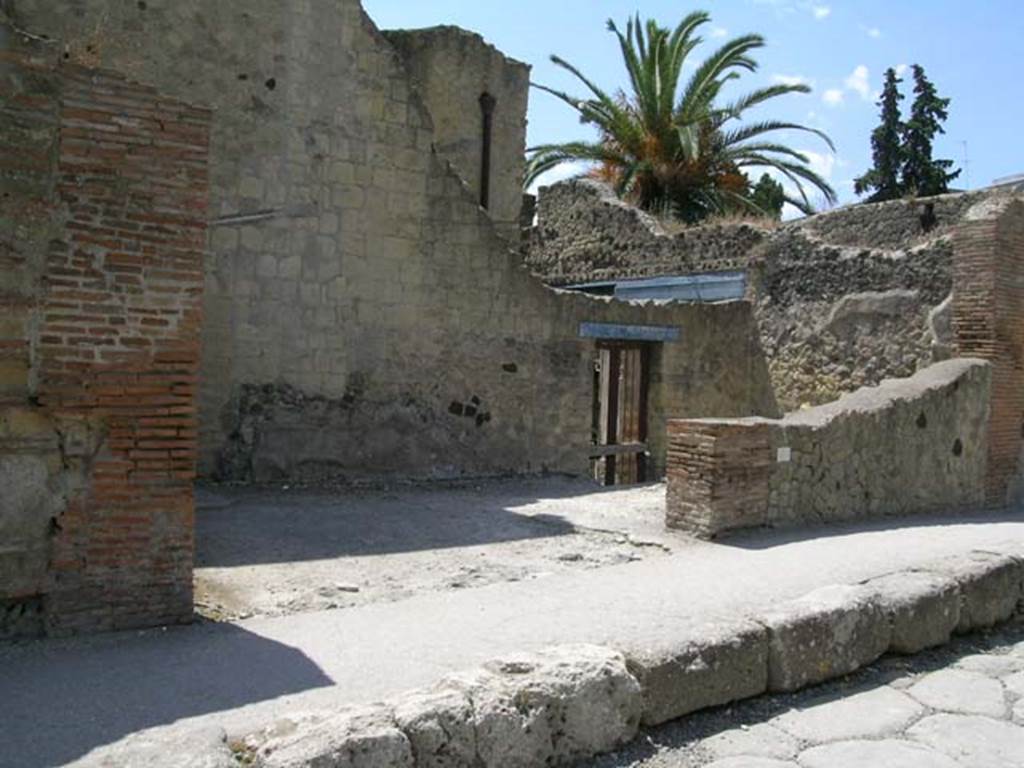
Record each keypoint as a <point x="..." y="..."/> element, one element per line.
<point x="909" y="446"/>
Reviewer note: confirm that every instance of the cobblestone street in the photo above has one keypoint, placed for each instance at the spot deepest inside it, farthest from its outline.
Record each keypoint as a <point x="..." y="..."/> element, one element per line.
<point x="958" y="707"/>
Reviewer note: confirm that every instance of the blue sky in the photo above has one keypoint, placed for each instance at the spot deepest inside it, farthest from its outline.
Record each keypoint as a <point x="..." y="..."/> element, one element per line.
<point x="970" y="49"/>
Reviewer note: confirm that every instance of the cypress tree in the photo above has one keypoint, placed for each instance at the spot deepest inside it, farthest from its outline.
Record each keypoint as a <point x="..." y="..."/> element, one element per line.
<point x="922" y="175"/>
<point x="886" y="150"/>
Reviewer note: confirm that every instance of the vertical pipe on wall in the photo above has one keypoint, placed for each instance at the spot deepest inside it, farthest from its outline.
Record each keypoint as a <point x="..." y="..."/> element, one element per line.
<point x="487" y="105"/>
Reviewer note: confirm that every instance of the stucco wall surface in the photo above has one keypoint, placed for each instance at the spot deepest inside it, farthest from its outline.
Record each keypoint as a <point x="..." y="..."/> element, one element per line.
<point x="362" y="315"/>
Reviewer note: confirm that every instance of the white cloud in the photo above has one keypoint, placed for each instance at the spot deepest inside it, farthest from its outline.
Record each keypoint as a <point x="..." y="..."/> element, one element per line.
<point x="901" y="69"/>
<point x="719" y="32"/>
<point x="792" y="80"/>
<point x="822" y="164"/>
<point x="874" y="32"/>
<point x="858" y="82"/>
<point x="793" y="6"/>
<point x="833" y="97"/>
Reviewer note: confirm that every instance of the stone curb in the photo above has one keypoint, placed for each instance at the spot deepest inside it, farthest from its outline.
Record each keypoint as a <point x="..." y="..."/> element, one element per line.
<point x="568" y="703"/>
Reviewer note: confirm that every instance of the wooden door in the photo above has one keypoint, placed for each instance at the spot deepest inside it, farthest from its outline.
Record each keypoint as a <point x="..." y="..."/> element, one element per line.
<point x="620" y="413"/>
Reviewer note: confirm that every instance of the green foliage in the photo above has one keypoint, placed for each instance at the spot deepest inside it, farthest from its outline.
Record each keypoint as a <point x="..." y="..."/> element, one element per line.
<point x="670" y="145"/>
<point x="769" y="197"/>
<point x="886" y="147"/>
<point x="921" y="174"/>
<point x="902" y="152"/>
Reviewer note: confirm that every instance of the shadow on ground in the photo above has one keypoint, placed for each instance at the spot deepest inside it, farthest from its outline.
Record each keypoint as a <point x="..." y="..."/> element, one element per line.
<point x="250" y="526"/>
<point x="160" y="677"/>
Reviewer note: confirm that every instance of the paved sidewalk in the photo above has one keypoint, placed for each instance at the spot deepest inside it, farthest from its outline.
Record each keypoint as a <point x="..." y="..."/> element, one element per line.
<point x="956" y="707"/>
<point x="61" y="699"/>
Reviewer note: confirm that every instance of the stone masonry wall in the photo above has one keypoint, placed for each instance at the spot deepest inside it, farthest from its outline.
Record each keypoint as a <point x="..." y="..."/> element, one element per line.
<point x="988" y="322"/>
<point x="850" y="297"/>
<point x="909" y="446"/>
<point x="104" y="227"/>
<point x="451" y="69"/>
<point x="585" y="234"/>
<point x="836" y="318"/>
<point x="362" y="315"/>
<point x="843" y="299"/>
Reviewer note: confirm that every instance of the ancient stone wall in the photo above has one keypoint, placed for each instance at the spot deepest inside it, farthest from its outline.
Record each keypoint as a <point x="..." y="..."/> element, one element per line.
<point x="988" y="322"/>
<point x="102" y="235"/>
<point x="362" y="315"/>
<point x="584" y="234"/>
<point x="843" y="299"/>
<point x="908" y="446"/>
<point x="835" y="318"/>
<point x="451" y="70"/>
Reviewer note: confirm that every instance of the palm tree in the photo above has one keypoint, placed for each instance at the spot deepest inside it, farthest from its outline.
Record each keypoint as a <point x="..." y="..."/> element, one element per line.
<point x="685" y="151"/>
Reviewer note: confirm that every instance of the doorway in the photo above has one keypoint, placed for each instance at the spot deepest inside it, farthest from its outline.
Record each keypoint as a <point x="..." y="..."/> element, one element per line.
<point x="619" y="454"/>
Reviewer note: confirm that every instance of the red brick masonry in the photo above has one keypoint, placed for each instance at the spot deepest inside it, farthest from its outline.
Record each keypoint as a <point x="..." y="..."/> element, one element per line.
<point x="988" y="323"/>
<point x="115" y="348"/>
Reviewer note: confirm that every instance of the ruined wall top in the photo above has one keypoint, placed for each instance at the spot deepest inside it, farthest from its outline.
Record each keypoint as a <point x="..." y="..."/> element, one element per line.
<point x="584" y="233"/>
<point x="457" y="74"/>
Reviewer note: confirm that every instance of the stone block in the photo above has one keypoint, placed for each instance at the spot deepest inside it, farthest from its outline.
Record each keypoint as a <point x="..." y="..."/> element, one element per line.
<point x="990" y="587"/>
<point x="357" y="737"/>
<point x="827" y="633"/>
<point x="439" y="726"/>
<point x="550" y="708"/>
<point x="924" y="608"/>
<point x="205" y="748"/>
<point x="711" y="666"/>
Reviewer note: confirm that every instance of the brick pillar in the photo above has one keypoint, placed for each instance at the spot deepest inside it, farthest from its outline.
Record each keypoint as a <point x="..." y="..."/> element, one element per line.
<point x="988" y="323"/>
<point x="119" y="350"/>
<point x="718" y="475"/>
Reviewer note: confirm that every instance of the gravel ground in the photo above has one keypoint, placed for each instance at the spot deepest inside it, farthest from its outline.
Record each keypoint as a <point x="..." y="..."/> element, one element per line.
<point x="275" y="551"/>
<point x="961" y="706"/>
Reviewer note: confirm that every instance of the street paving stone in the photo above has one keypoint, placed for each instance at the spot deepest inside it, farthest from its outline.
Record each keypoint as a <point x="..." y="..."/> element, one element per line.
<point x="1015" y="684"/>
<point x="876" y="754"/>
<point x="977" y="742"/>
<point x="761" y="739"/>
<point x="957" y="707"/>
<point x="994" y="666"/>
<point x="957" y="690"/>
<point x="868" y="715"/>
<point x="752" y="762"/>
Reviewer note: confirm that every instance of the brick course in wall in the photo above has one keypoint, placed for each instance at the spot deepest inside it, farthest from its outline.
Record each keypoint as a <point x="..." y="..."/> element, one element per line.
<point x="112" y="339"/>
<point x="718" y="475"/>
<point x="988" y="322"/>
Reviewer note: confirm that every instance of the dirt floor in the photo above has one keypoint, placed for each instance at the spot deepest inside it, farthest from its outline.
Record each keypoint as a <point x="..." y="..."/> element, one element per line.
<point x="278" y="551"/>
